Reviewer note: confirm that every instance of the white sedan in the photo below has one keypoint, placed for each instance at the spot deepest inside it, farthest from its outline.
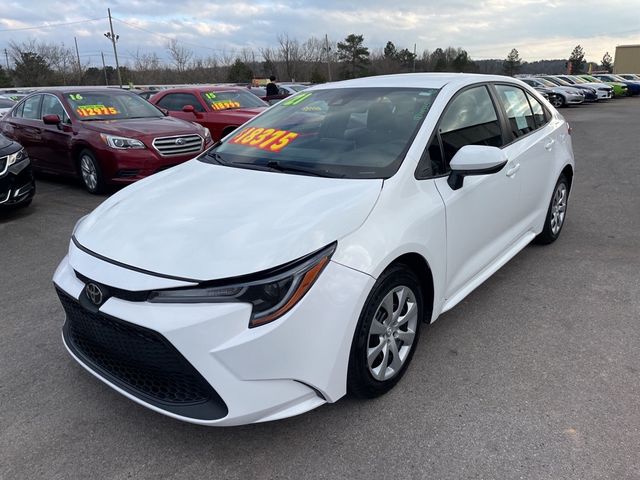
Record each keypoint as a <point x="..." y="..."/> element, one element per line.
<point x="296" y="260"/>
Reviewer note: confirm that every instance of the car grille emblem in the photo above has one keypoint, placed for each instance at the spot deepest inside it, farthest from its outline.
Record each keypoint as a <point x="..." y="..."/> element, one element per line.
<point x="93" y="293"/>
<point x="180" y="141"/>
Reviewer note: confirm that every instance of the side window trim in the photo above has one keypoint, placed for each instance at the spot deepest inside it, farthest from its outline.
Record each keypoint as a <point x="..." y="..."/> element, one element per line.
<point x="436" y="131"/>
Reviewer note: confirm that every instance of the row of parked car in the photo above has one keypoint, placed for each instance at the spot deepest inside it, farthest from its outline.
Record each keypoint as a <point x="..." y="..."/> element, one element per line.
<point x="109" y="136"/>
<point x="566" y="90"/>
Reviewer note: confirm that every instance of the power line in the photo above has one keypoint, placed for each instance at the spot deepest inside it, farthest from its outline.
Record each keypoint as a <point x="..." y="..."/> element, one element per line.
<point x="51" y="25"/>
<point x="166" y="37"/>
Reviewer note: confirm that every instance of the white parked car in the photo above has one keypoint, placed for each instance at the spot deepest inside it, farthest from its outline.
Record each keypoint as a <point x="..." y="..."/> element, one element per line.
<point x="291" y="88"/>
<point x="5" y="106"/>
<point x="297" y="260"/>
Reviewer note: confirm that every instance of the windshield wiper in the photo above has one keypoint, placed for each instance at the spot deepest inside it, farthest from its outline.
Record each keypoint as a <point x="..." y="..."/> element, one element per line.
<point x="285" y="167"/>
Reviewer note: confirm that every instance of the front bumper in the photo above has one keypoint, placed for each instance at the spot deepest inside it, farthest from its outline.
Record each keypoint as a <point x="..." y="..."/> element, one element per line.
<point x="17" y="184"/>
<point x="574" y="99"/>
<point x="275" y="371"/>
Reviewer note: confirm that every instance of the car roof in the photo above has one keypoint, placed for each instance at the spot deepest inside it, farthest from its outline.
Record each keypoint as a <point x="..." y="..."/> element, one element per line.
<point x="204" y="88"/>
<point x="418" y="80"/>
<point x="81" y="89"/>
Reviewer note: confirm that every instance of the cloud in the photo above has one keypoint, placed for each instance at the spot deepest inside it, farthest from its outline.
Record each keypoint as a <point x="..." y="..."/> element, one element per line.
<point x="485" y="28"/>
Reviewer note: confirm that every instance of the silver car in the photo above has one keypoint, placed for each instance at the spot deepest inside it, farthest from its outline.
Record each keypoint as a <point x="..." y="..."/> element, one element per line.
<point x="565" y="96"/>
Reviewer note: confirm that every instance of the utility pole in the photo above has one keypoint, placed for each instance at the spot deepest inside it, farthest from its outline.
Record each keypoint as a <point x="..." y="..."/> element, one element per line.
<point x="327" y="49"/>
<point x="414" y="58"/>
<point x="104" y="67"/>
<point x="114" y="38"/>
<point x="6" y="57"/>
<point x="79" y="64"/>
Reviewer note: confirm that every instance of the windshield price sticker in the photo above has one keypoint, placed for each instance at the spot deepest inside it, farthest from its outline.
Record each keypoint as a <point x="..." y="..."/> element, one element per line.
<point x="95" y="110"/>
<point x="210" y="95"/>
<point x="269" y="139"/>
<point x="224" y="105"/>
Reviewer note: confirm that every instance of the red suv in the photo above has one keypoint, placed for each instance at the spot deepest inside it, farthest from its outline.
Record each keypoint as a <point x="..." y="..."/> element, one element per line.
<point x="221" y="109"/>
<point x="104" y="136"/>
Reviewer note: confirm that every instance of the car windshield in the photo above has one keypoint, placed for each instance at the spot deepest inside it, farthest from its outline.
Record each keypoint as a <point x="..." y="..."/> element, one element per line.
<point x="346" y="132"/>
<point x="111" y="105"/>
<point x="546" y="82"/>
<point x="578" y="79"/>
<point x="618" y="78"/>
<point x="559" y="81"/>
<point x="231" y="99"/>
<point x="6" y="103"/>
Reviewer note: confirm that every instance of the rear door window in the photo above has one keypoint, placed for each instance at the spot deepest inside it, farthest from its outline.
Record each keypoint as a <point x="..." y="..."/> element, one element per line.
<point x="540" y="115"/>
<point x="31" y="108"/>
<point x="519" y="114"/>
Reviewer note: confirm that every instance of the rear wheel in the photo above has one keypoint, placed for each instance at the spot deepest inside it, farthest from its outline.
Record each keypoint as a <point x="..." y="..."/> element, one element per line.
<point x="90" y="172"/>
<point x="556" y="213"/>
<point x="387" y="333"/>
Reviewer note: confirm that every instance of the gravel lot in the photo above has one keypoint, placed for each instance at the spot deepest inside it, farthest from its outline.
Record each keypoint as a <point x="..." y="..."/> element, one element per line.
<point x="536" y="375"/>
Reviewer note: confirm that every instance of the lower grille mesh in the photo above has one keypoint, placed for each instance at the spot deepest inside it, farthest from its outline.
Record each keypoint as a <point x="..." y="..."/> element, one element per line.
<point x="140" y="361"/>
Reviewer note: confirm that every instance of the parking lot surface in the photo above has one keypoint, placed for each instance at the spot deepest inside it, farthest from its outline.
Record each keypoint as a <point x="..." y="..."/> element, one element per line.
<point x="536" y="375"/>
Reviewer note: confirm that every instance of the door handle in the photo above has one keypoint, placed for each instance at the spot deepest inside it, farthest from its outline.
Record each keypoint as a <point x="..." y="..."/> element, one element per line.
<point x="512" y="171"/>
<point x="549" y="144"/>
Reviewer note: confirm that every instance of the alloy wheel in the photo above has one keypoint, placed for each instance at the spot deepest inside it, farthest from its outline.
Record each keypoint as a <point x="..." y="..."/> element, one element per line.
<point x="89" y="172"/>
<point x="392" y="333"/>
<point x="558" y="208"/>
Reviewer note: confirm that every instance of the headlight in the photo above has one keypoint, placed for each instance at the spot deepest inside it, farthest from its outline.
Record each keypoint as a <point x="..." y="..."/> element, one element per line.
<point x="11" y="159"/>
<point x="271" y="294"/>
<point x="16" y="157"/>
<point x="121" y="143"/>
<point x="207" y="135"/>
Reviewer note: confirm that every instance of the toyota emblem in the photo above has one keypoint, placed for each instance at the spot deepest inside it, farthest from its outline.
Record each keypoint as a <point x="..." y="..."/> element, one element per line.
<point x="93" y="293"/>
<point x="180" y="141"/>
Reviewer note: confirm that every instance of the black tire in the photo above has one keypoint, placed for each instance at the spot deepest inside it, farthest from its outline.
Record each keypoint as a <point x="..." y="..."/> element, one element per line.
<point x="90" y="172"/>
<point x="360" y="379"/>
<point x="550" y="232"/>
<point x="558" y="101"/>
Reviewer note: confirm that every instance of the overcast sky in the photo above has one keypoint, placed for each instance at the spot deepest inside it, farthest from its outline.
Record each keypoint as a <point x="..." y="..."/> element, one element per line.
<point x="486" y="28"/>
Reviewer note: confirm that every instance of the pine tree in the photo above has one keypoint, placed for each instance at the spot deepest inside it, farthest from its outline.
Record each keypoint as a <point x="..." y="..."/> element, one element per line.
<point x="354" y="55"/>
<point x="607" y="62"/>
<point x="512" y="64"/>
<point x="576" y="60"/>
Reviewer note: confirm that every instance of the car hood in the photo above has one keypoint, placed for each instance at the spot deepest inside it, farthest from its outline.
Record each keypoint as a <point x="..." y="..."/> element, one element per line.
<point x="7" y="146"/>
<point x="136" y="127"/>
<point x="204" y="222"/>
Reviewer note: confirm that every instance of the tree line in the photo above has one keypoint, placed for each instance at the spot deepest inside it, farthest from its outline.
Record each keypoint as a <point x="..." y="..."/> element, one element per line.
<point x="315" y="60"/>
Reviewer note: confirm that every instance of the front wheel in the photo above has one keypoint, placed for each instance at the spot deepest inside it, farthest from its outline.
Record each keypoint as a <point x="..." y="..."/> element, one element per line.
<point x="387" y="333"/>
<point x="558" y="101"/>
<point x="556" y="213"/>
<point x="90" y="172"/>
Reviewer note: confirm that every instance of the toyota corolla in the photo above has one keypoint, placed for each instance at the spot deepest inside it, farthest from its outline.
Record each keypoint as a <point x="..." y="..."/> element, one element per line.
<point x="296" y="260"/>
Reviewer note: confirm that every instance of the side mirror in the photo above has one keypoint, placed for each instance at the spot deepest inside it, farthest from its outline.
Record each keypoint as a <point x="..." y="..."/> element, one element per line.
<point x="51" y="119"/>
<point x="188" y="109"/>
<point x="475" y="160"/>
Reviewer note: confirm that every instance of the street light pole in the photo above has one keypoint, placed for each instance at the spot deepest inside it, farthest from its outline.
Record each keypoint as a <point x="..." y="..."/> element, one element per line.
<point x="114" y="38"/>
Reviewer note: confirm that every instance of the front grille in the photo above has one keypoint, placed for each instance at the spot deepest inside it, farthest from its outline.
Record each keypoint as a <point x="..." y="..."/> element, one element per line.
<point x="179" y="145"/>
<point x="140" y="361"/>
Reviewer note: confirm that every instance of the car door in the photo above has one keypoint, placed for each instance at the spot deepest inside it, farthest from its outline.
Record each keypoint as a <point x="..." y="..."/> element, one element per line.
<point x="55" y="146"/>
<point x="482" y="216"/>
<point x="24" y="125"/>
<point x="533" y="143"/>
